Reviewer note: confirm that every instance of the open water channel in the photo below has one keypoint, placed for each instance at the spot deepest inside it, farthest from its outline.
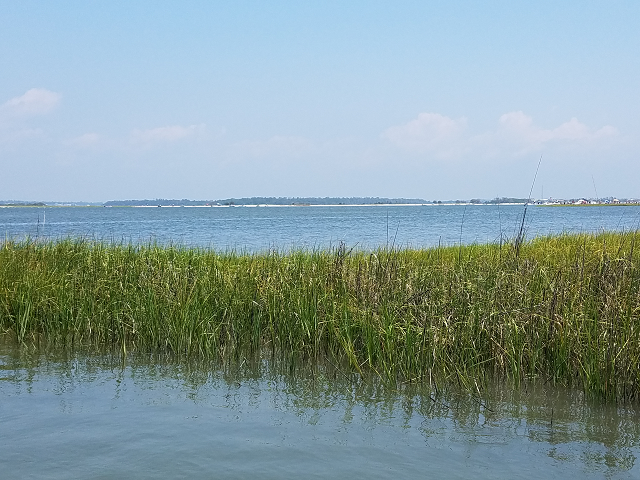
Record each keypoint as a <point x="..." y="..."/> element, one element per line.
<point x="251" y="229"/>
<point x="86" y="415"/>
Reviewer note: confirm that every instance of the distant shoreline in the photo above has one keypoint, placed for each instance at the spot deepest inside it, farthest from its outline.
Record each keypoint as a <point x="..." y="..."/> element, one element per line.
<point x="626" y="204"/>
<point x="288" y="205"/>
<point x="443" y="204"/>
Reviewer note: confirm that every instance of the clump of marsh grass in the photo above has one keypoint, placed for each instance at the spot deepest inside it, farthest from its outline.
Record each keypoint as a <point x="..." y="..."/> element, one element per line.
<point x="563" y="308"/>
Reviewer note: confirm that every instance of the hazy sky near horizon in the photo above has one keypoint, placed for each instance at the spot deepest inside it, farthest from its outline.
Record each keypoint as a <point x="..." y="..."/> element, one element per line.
<point x="207" y="100"/>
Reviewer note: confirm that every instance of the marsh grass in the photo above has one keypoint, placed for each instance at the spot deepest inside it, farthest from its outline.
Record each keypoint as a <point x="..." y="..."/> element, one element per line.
<point x="563" y="309"/>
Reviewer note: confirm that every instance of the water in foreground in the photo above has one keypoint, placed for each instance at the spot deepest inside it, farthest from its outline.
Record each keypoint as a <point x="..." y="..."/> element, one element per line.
<point x="70" y="415"/>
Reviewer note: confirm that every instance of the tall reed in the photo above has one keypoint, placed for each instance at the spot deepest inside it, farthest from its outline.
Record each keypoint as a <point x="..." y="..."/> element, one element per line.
<point x="564" y="308"/>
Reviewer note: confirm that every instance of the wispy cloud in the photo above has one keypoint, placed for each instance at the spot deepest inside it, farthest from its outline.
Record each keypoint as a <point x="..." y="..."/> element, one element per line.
<point x="430" y="132"/>
<point x="276" y="146"/>
<point x="37" y="101"/>
<point x="19" y="136"/>
<point x="516" y="134"/>
<point x="84" y="141"/>
<point x="169" y="134"/>
<point x="16" y="117"/>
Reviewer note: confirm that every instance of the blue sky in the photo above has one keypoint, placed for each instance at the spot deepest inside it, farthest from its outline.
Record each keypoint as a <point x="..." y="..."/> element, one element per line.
<point x="205" y="100"/>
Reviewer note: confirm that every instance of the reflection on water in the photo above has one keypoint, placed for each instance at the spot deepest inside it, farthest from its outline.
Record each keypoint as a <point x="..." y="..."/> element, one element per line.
<point x="95" y="416"/>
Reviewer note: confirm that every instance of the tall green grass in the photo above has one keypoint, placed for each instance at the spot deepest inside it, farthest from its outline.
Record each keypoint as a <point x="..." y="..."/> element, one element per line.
<point x="563" y="308"/>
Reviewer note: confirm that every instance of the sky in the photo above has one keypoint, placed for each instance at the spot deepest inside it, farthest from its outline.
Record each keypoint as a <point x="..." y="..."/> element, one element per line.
<point x="417" y="99"/>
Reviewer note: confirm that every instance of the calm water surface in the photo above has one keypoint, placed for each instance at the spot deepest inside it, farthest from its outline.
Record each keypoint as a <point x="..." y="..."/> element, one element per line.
<point x="262" y="228"/>
<point x="100" y="416"/>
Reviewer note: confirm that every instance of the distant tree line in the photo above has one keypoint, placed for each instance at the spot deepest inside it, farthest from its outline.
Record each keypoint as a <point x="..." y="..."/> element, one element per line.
<point x="264" y="201"/>
<point x="504" y="200"/>
<point x="22" y="204"/>
<point x="163" y="202"/>
<point x="317" y="201"/>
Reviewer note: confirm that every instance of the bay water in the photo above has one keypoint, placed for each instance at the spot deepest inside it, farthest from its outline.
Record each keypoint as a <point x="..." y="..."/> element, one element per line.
<point x="252" y="229"/>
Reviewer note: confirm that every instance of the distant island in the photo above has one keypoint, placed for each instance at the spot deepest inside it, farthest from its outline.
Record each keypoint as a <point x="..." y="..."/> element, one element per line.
<point x="304" y="201"/>
<point x="14" y="203"/>
<point x="318" y="201"/>
<point x="162" y="202"/>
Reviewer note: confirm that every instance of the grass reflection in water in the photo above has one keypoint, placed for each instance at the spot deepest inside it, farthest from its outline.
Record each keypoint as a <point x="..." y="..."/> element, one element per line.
<point x="182" y="417"/>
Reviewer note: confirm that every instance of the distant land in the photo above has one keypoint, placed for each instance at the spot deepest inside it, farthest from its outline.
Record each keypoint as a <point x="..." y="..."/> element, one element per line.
<point x="304" y="201"/>
<point x="14" y="203"/>
<point x="267" y="201"/>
